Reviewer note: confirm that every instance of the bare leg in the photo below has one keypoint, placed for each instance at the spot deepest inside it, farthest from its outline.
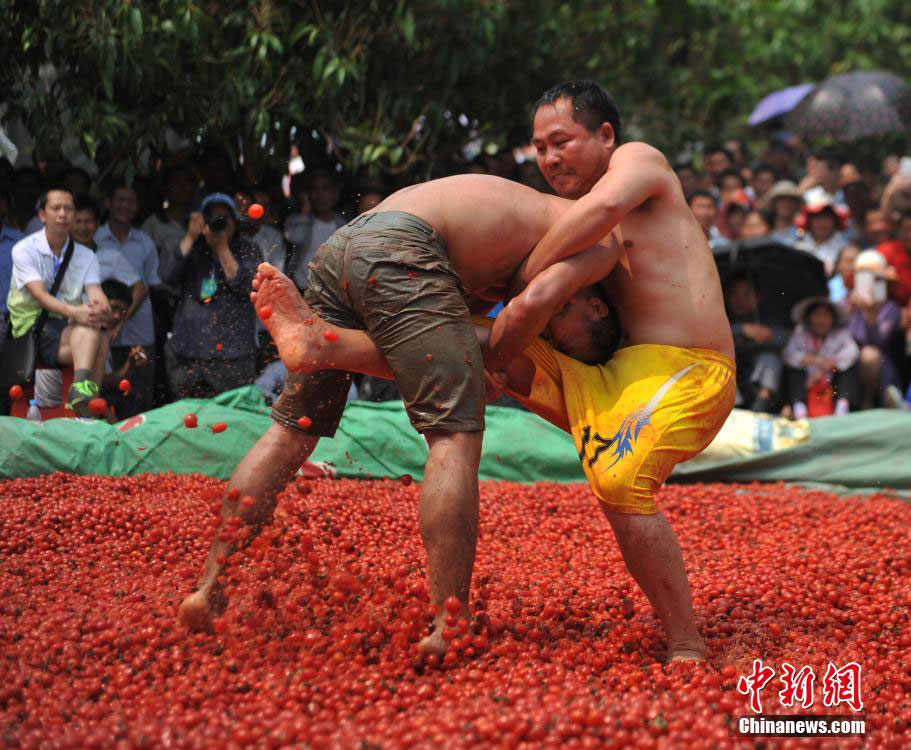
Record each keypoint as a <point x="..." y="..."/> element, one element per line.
<point x="448" y="516"/>
<point x="79" y="346"/>
<point x="262" y="474"/>
<point x="870" y="364"/>
<point x="301" y="335"/>
<point x="653" y="557"/>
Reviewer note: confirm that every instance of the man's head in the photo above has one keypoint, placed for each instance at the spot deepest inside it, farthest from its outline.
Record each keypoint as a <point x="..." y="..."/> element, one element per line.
<point x="576" y="129"/>
<point x="122" y="203"/>
<point x="179" y="185"/>
<point x="323" y="190"/>
<point x="877" y="226"/>
<point x="764" y="179"/>
<point x="825" y="166"/>
<point x="586" y="328"/>
<point x="56" y="209"/>
<point x="729" y="182"/>
<point x="705" y="209"/>
<point x="76" y="180"/>
<point x="85" y="220"/>
<point x="119" y="296"/>
<point x="689" y="178"/>
<point x="715" y="160"/>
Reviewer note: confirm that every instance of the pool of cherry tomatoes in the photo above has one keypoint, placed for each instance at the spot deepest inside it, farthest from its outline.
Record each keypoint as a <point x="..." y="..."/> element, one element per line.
<point x="317" y="648"/>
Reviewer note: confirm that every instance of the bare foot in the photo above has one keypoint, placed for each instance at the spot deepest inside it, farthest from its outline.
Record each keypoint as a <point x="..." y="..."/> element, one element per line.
<point x="689" y="650"/>
<point x="197" y="610"/>
<point x="433" y="643"/>
<point x="302" y="337"/>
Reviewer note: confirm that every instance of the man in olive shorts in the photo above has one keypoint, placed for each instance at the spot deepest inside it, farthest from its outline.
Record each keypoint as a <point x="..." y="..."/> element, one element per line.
<point x="402" y="274"/>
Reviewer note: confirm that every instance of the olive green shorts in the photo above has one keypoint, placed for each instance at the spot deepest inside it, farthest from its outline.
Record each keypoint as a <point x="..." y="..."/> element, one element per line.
<point x="389" y="274"/>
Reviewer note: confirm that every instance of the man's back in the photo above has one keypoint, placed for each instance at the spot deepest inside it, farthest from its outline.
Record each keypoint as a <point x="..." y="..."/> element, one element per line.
<point x="489" y="224"/>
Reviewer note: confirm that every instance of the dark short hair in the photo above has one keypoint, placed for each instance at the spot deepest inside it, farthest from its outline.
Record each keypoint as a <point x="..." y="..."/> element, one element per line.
<point x="717" y="148"/>
<point x="592" y="104"/>
<point x="74" y="170"/>
<point x="701" y="193"/>
<point x="85" y="202"/>
<point x="605" y="332"/>
<point x="829" y="155"/>
<point x="116" y="185"/>
<point x="42" y="200"/>
<point x="114" y="289"/>
<point x="732" y="172"/>
<point x="763" y="167"/>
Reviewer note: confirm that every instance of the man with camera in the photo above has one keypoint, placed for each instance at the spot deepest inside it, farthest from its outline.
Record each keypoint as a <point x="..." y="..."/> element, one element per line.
<point x="212" y="349"/>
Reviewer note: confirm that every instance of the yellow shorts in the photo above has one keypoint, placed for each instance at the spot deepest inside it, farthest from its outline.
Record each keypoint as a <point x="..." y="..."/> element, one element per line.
<point x="636" y="417"/>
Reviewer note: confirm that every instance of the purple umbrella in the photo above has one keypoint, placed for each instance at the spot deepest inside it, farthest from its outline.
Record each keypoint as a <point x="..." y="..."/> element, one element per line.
<point x="779" y="103"/>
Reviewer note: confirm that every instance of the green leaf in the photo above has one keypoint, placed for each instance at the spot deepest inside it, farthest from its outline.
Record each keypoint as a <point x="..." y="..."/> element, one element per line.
<point x="136" y="21"/>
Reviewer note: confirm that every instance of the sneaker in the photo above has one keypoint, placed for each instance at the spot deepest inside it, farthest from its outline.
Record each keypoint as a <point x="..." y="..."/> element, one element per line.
<point x="79" y="395"/>
<point x="892" y="399"/>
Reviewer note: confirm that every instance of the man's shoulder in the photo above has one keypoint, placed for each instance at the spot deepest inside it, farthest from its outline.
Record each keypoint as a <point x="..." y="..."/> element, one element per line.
<point x="8" y="233"/>
<point x="28" y="244"/>
<point x="640" y="151"/>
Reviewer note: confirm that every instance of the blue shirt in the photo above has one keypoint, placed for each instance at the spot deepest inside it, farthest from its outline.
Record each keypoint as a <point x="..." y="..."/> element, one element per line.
<point x="8" y="238"/>
<point x="139" y="249"/>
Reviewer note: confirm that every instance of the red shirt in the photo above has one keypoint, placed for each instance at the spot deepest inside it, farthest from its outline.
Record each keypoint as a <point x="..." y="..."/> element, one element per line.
<point x="898" y="257"/>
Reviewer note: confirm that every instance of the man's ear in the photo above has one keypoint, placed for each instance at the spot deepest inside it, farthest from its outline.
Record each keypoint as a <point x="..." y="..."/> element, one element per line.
<point x="606" y="133"/>
<point x="597" y="306"/>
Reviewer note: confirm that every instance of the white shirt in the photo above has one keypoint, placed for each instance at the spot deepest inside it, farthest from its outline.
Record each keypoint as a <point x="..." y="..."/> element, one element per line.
<point x="112" y="265"/>
<point x="139" y="249"/>
<point x="33" y="260"/>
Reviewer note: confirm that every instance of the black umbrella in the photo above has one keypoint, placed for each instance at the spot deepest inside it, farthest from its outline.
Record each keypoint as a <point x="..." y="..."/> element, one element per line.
<point x="784" y="275"/>
<point x="852" y="106"/>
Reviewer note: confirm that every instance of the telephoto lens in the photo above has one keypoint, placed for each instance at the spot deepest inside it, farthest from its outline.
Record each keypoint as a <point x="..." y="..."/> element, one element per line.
<point x="218" y="224"/>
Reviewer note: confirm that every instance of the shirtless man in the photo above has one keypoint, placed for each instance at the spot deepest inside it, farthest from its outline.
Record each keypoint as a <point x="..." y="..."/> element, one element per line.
<point x="662" y="397"/>
<point x="402" y="274"/>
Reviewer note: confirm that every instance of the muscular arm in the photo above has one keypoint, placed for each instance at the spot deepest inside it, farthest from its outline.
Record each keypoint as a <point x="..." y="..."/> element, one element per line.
<point x="527" y="314"/>
<point x="637" y="172"/>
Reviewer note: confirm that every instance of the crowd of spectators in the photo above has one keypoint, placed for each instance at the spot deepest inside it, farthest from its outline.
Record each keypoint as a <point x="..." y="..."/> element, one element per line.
<point x="175" y="252"/>
<point x="843" y="350"/>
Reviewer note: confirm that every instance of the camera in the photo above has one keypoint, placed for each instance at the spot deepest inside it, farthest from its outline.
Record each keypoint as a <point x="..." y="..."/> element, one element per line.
<point x="217" y="224"/>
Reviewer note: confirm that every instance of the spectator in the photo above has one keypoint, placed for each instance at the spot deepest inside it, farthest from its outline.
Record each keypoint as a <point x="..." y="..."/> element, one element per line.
<point x="857" y="199"/>
<point x="119" y="235"/>
<point x="823" y="224"/>
<point x="757" y="345"/>
<point x="269" y="240"/>
<point x="896" y="198"/>
<point x="784" y="201"/>
<point x="733" y="217"/>
<point x="823" y="171"/>
<point x="705" y="209"/>
<point x="716" y="159"/>
<point x="212" y="349"/>
<point x="370" y="200"/>
<point x="842" y="282"/>
<point x="878" y="228"/>
<point x="121" y="299"/>
<point x="305" y="233"/>
<point x="732" y="186"/>
<point x="8" y="238"/>
<point x="168" y="224"/>
<point x="72" y="332"/>
<point x="26" y="191"/>
<point x="875" y="324"/>
<point x="111" y="262"/>
<point x="690" y="179"/>
<point x="756" y="224"/>
<point x="764" y="179"/>
<point x="821" y="356"/>
<point x="898" y="255"/>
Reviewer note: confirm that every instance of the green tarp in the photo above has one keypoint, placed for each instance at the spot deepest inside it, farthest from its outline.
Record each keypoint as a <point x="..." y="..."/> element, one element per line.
<point x="864" y="450"/>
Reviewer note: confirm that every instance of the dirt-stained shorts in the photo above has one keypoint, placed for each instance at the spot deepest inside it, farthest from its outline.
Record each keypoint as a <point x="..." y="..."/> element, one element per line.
<point x="389" y="274"/>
